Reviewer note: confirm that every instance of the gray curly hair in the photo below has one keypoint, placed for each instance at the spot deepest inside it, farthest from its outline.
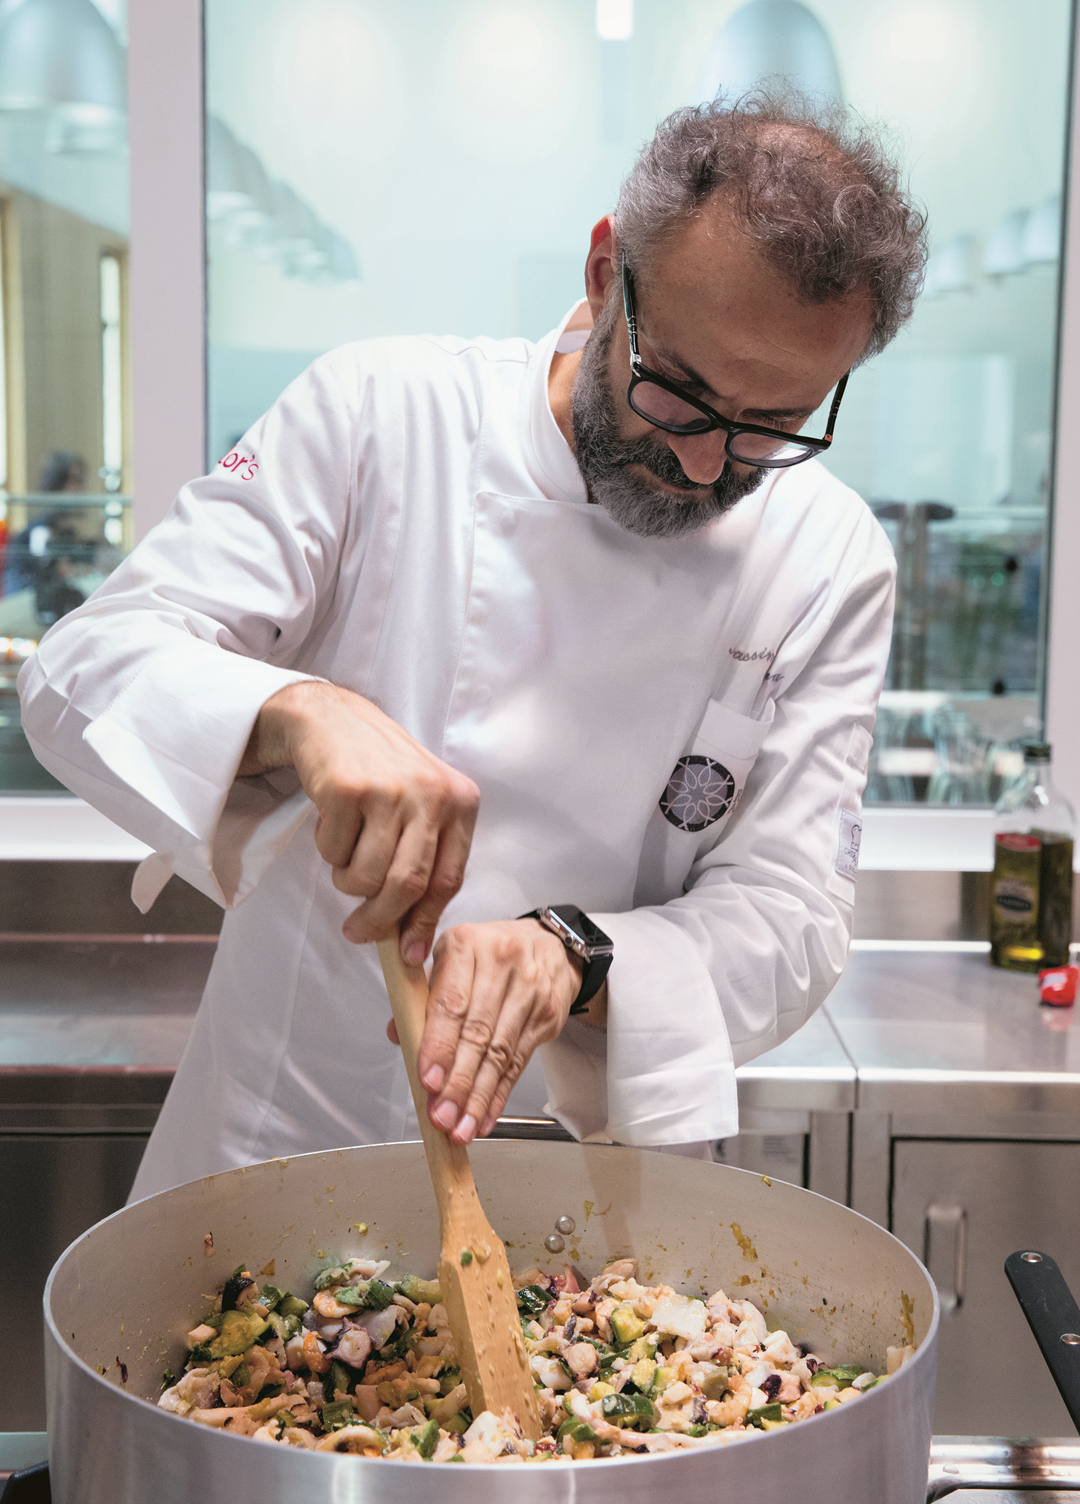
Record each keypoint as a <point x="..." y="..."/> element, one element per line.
<point x="812" y="184"/>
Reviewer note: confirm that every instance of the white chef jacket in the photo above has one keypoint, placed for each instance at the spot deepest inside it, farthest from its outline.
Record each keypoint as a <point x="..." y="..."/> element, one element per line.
<point x="408" y="521"/>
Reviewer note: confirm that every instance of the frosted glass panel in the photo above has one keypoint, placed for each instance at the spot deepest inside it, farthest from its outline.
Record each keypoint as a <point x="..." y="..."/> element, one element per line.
<point x="437" y="167"/>
<point x="961" y="408"/>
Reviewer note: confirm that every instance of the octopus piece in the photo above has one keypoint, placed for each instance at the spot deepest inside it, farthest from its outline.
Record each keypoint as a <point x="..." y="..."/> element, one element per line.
<point x="450" y="1404"/>
<point x="361" y="1441"/>
<point x="493" y="1438"/>
<point x="581" y="1359"/>
<point x="353" y="1345"/>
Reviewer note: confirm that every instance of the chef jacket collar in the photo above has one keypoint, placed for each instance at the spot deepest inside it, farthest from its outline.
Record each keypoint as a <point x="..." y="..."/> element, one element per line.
<point x="554" y="464"/>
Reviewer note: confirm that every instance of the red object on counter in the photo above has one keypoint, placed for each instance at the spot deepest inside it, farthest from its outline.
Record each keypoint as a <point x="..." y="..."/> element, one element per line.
<point x="1058" y="985"/>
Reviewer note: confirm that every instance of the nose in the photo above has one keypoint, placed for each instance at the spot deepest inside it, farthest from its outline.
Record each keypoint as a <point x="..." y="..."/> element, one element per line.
<point x="701" y="455"/>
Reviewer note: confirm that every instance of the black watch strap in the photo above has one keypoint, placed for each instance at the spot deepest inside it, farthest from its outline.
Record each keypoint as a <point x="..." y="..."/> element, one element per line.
<point x="583" y="939"/>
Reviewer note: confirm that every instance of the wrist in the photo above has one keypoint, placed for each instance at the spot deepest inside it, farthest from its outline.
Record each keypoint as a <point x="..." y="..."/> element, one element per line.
<point x="584" y="940"/>
<point x="271" y="742"/>
<point x="564" y="964"/>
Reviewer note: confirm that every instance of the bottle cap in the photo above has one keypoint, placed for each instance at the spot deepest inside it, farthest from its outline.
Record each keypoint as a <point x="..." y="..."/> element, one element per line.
<point x="1037" y="751"/>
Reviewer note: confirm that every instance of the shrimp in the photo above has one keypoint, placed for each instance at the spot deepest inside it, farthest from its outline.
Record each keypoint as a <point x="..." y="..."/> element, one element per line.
<point x="314" y="1357"/>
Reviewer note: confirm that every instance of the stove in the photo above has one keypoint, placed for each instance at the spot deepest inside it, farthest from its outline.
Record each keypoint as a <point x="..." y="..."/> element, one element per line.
<point x="1004" y="1470"/>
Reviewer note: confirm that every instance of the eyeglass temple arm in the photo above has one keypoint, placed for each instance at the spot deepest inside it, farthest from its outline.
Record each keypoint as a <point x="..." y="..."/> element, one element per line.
<point x="835" y="408"/>
<point x="629" y="309"/>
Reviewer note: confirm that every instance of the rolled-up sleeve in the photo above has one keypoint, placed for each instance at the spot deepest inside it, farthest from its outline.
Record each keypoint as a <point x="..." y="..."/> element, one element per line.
<point x="143" y="699"/>
<point x="737" y="962"/>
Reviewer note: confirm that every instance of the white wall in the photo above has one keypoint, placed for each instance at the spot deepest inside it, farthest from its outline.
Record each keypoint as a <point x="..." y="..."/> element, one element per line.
<point x="167" y="301"/>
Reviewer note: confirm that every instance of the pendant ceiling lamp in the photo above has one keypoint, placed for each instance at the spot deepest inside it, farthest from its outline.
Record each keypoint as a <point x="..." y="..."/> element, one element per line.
<point x="342" y="258"/>
<point x="265" y="217"/>
<point x="765" y="40"/>
<point x="62" y="59"/>
<point x="237" y="187"/>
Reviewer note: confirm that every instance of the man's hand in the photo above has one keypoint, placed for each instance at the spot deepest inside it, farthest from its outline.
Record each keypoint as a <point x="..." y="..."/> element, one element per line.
<point x="395" y="823"/>
<point x="497" y="991"/>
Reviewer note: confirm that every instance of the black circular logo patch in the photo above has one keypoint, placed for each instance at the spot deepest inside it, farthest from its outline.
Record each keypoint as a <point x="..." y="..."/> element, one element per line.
<point x="698" y="794"/>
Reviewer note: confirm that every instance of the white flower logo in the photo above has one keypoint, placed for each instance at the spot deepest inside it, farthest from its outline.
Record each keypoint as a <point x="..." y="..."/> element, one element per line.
<point x="698" y="794"/>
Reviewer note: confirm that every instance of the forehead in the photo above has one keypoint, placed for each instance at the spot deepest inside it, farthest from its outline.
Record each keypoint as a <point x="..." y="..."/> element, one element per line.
<point x="710" y="299"/>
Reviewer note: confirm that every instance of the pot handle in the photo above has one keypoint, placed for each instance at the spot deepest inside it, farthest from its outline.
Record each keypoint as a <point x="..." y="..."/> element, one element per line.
<point x="27" y="1486"/>
<point x="1054" y="1318"/>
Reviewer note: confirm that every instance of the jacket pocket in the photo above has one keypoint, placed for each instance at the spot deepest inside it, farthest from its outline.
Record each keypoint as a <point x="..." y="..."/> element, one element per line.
<point x="707" y="782"/>
<point x="702" y="794"/>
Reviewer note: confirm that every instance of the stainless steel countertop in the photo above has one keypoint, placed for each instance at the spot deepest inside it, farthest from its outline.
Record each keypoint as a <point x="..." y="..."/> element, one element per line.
<point x="905" y="1030"/>
<point x="106" y="1004"/>
<point x="99" y="1003"/>
<point x="939" y="1030"/>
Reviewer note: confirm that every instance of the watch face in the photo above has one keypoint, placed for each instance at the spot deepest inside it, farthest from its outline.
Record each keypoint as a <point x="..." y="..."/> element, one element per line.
<point x="585" y="935"/>
<point x="570" y="917"/>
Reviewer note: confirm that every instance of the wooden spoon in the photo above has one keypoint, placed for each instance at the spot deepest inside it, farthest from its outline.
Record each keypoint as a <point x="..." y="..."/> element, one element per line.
<point x="474" y="1274"/>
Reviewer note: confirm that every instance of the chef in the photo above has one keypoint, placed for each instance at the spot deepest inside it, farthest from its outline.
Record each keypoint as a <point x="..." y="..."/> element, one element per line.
<point x="561" y="657"/>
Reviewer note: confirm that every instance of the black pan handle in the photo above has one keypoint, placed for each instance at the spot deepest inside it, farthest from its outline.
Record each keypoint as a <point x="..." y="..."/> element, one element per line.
<point x="1053" y="1316"/>
<point x="28" y="1486"/>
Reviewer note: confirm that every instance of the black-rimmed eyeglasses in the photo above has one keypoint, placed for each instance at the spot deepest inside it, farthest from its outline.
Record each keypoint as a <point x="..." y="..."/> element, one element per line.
<point x="665" y="405"/>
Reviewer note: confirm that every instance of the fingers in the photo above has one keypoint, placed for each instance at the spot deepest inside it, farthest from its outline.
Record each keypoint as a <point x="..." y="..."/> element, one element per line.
<point x="447" y="875"/>
<point x="392" y="869"/>
<point x="496" y="1106"/>
<point x="497" y="991"/>
<point x="409" y="860"/>
<point x="490" y="1061"/>
<point x="452" y="977"/>
<point x="394" y="822"/>
<point x="362" y="867"/>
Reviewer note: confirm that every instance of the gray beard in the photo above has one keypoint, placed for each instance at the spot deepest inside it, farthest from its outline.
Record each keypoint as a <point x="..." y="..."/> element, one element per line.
<point x="603" y="456"/>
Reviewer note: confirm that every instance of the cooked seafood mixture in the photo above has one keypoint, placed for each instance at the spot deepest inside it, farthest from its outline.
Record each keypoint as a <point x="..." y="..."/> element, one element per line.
<point x="621" y="1368"/>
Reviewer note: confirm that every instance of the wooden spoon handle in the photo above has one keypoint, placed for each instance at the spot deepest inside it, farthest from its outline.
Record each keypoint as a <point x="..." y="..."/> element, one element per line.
<point x="451" y="1173"/>
<point x="474" y="1276"/>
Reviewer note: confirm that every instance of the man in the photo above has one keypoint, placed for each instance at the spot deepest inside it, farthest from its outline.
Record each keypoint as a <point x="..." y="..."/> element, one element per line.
<point x="467" y="628"/>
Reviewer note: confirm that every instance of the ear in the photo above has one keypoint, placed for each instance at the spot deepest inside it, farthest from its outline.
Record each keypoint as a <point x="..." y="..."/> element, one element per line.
<point x="602" y="264"/>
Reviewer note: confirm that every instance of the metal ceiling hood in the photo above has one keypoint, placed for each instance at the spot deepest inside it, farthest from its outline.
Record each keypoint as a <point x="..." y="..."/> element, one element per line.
<point x="765" y="40"/>
<point x="62" y="58"/>
<point x="266" y="217"/>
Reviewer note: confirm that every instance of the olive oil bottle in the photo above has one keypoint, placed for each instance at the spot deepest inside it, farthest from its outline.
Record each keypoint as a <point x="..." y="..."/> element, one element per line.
<point x="1031" y="889"/>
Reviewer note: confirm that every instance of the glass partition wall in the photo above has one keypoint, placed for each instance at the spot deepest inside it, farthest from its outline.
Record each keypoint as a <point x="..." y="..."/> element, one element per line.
<point x="376" y="168"/>
<point x="65" y="507"/>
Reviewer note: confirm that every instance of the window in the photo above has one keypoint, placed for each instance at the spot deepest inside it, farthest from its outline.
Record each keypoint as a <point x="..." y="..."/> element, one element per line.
<point x="63" y="244"/>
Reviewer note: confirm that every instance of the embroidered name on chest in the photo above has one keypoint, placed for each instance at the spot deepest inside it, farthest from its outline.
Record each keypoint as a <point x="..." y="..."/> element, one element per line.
<point x="760" y="655"/>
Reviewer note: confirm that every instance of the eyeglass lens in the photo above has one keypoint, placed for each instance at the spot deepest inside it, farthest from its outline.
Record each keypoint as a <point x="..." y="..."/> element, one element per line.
<point x="658" y="405"/>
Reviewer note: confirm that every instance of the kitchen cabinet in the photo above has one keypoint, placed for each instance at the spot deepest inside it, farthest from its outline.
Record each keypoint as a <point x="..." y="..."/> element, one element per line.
<point x="966" y="1144"/>
<point x="52" y="1188"/>
<point x="963" y="1206"/>
<point x="90" y="1033"/>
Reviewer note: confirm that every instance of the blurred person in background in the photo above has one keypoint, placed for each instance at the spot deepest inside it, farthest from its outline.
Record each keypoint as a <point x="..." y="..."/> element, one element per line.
<point x="28" y="552"/>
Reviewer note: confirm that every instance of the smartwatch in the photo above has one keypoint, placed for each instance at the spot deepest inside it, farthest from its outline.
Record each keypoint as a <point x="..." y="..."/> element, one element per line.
<point x="582" y="938"/>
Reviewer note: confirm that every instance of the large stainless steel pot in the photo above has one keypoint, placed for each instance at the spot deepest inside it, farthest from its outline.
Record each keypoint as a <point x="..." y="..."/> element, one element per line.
<point x="129" y="1288"/>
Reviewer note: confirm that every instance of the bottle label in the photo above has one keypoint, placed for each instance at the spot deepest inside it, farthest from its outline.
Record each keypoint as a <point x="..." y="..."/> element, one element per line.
<point x="1031" y="900"/>
<point x="1015" y="899"/>
<point x="1014" y="902"/>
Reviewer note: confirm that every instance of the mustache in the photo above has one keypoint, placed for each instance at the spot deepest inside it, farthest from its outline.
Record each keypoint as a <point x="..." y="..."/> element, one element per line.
<point x="662" y="462"/>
